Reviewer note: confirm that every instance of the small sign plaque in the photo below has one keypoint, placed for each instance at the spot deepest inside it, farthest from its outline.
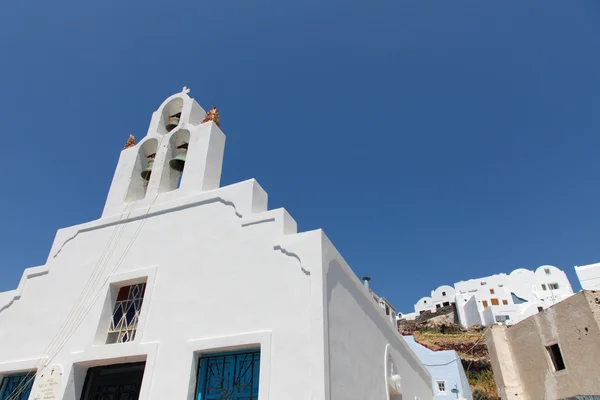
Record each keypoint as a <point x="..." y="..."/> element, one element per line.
<point x="47" y="386"/>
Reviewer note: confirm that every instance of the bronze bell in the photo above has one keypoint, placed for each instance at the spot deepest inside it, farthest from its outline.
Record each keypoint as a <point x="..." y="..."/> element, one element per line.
<point x="173" y="122"/>
<point x="178" y="162"/>
<point x="148" y="171"/>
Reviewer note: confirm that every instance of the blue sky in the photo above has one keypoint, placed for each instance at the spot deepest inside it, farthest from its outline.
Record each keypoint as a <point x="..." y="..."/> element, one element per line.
<point x="432" y="141"/>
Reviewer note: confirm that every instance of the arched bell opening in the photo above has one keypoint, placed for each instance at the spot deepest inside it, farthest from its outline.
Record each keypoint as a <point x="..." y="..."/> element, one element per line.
<point x="171" y="115"/>
<point x="176" y="159"/>
<point x="142" y="170"/>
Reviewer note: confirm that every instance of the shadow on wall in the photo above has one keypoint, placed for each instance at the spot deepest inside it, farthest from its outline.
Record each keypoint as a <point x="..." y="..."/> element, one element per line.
<point x="338" y="278"/>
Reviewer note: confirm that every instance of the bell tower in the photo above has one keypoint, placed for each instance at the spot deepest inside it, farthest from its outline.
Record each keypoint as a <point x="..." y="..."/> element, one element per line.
<point x="181" y="154"/>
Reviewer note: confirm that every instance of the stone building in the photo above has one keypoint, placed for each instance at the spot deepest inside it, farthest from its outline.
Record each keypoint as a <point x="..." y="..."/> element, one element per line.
<point x="554" y="354"/>
<point x="184" y="289"/>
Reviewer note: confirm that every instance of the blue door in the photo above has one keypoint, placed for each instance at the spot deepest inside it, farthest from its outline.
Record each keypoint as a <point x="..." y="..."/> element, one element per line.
<point x="16" y="386"/>
<point x="229" y="376"/>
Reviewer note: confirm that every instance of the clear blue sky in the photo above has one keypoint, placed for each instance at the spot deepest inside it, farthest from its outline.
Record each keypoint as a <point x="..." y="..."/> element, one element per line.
<point x="433" y="141"/>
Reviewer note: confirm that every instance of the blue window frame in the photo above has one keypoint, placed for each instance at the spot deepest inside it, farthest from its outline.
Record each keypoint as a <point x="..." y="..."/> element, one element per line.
<point x="229" y="376"/>
<point x="17" y="386"/>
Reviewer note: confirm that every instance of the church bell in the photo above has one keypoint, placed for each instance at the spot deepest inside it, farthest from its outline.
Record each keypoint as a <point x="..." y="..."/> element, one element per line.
<point x="178" y="162"/>
<point x="146" y="172"/>
<point x="173" y="122"/>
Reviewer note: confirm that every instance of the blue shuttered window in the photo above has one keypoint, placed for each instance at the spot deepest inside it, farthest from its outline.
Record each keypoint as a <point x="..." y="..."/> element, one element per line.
<point x="16" y="386"/>
<point x="229" y="376"/>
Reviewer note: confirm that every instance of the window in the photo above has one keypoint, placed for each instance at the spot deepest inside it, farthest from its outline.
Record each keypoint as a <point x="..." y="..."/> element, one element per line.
<point x="502" y="318"/>
<point x="441" y="386"/>
<point x="485" y="304"/>
<point x="446" y="304"/>
<point x="444" y="294"/>
<point x="424" y="301"/>
<point x="438" y="306"/>
<point x="495" y="302"/>
<point x="114" y="382"/>
<point x="547" y="271"/>
<point x="492" y="291"/>
<point x="482" y="283"/>
<point x="229" y="376"/>
<point x="556" y="357"/>
<point x="544" y="287"/>
<point x="540" y="308"/>
<point x="553" y="286"/>
<point x="387" y="310"/>
<point x="17" y="386"/>
<point x="126" y="313"/>
<point x="505" y="302"/>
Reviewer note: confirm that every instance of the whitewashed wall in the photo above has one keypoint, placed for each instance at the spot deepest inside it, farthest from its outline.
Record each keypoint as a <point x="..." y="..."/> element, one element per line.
<point x="467" y="310"/>
<point x="589" y="276"/>
<point x="358" y="335"/>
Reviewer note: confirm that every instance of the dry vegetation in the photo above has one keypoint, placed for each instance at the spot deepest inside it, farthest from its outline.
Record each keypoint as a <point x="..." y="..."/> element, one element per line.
<point x="472" y="350"/>
<point x="439" y="331"/>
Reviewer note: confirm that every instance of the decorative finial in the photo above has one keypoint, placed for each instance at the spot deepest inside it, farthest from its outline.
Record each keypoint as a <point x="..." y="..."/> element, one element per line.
<point x="212" y="115"/>
<point x="130" y="142"/>
<point x="185" y="90"/>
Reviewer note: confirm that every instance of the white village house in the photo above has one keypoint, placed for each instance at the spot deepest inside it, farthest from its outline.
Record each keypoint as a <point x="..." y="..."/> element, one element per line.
<point x="443" y="296"/>
<point x="589" y="276"/>
<point x="184" y="289"/>
<point x="500" y="298"/>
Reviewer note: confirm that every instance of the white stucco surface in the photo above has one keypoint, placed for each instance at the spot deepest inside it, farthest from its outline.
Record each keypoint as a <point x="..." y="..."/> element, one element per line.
<point x="589" y="276"/>
<point x="223" y="273"/>
<point x="467" y="310"/>
<point x="358" y="334"/>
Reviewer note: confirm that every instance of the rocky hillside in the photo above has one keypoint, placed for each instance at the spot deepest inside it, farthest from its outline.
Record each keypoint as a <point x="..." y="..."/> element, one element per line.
<point x="440" y="331"/>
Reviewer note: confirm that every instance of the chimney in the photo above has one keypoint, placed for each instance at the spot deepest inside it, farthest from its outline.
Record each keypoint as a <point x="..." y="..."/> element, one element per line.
<point x="366" y="280"/>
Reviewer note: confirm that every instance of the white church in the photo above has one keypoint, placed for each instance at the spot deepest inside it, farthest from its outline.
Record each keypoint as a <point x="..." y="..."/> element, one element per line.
<point x="186" y="290"/>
